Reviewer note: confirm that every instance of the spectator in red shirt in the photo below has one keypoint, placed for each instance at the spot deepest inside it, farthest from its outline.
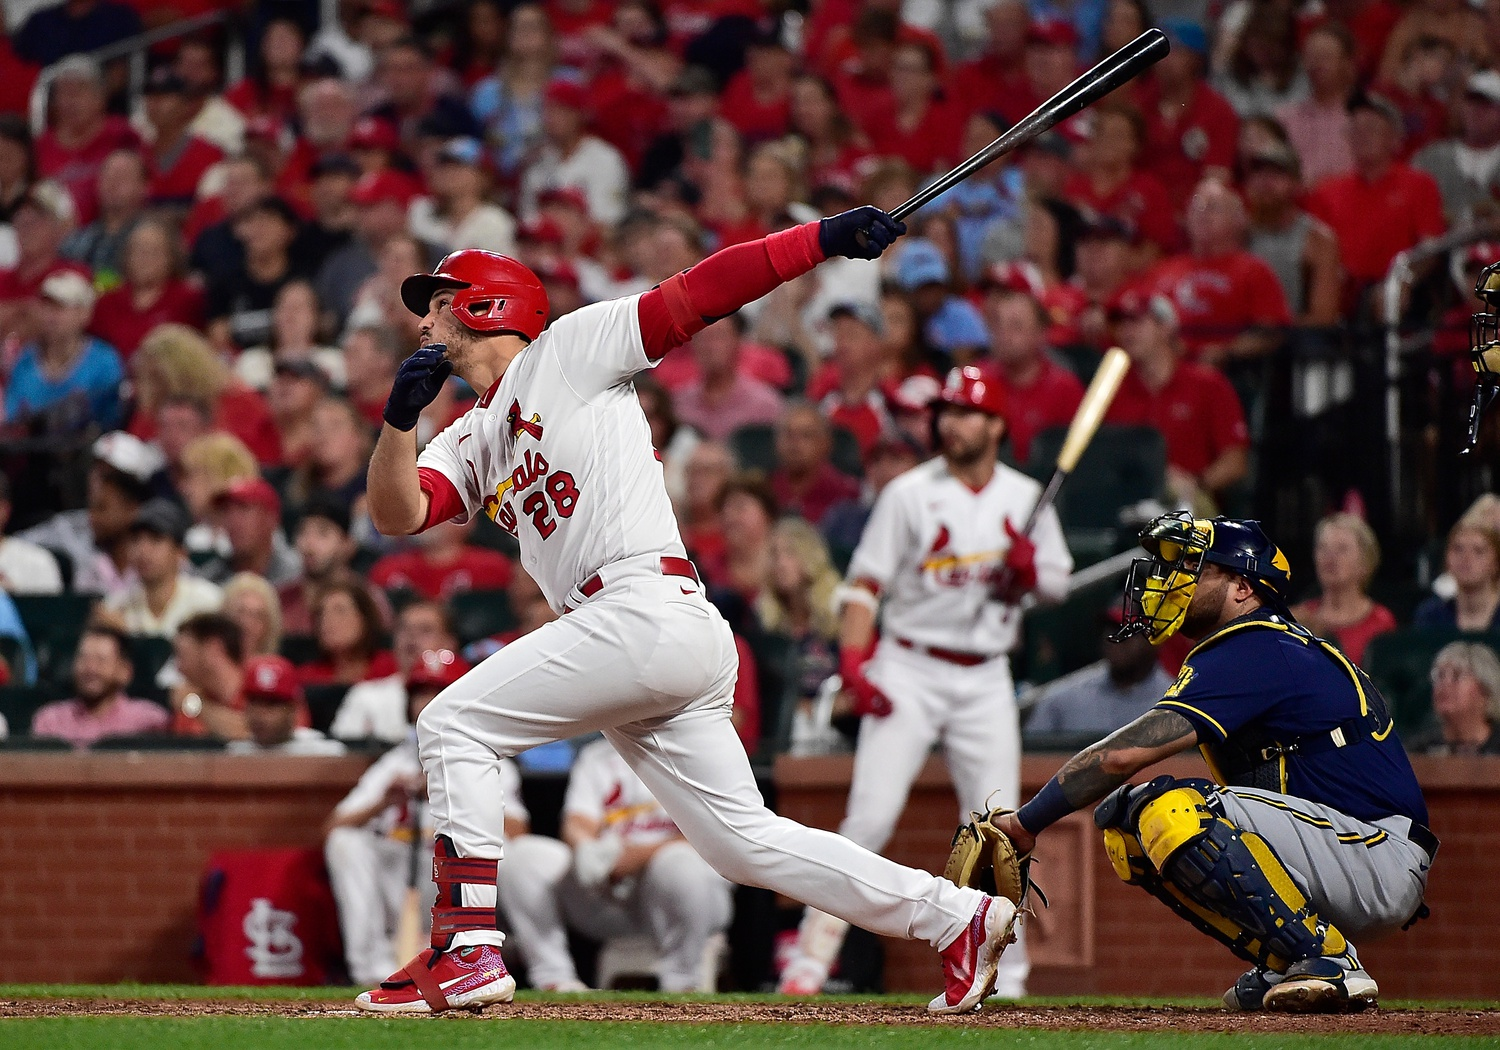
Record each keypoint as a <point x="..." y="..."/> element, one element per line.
<point x="1039" y="392"/>
<point x="724" y="398"/>
<point x="922" y="127"/>
<point x="442" y="564"/>
<point x="270" y="90"/>
<point x="179" y="158"/>
<point x="758" y="99"/>
<point x="805" y="482"/>
<point x="1107" y="182"/>
<point x="1345" y="557"/>
<point x="41" y="221"/>
<point x="80" y="134"/>
<point x="348" y="630"/>
<point x="991" y="80"/>
<point x="209" y="650"/>
<point x="1383" y="206"/>
<point x="863" y="79"/>
<point x="848" y="388"/>
<point x="1193" y="405"/>
<point x="1228" y="301"/>
<point x="747" y="510"/>
<point x="1190" y="129"/>
<point x="1318" y="126"/>
<point x="1050" y="64"/>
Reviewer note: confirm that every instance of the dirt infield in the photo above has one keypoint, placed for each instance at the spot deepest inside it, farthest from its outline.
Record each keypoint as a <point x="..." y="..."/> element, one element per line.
<point x="1111" y="1018"/>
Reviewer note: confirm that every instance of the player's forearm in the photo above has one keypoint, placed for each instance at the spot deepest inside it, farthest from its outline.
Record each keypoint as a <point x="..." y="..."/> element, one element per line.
<point x="856" y="626"/>
<point x="578" y="828"/>
<point x="398" y="506"/>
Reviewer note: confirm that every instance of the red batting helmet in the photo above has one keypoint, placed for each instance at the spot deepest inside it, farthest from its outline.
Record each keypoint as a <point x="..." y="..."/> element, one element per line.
<point x="492" y="293"/>
<point x="969" y="387"/>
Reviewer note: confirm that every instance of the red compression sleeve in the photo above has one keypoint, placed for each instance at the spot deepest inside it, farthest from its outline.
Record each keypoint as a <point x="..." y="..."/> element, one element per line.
<point x="684" y="305"/>
<point x="444" y="502"/>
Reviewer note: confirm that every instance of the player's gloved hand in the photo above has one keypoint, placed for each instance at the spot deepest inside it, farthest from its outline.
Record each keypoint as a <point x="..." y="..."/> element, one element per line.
<point x="595" y="859"/>
<point x="418" y="381"/>
<point x="1018" y="578"/>
<point x="868" y="699"/>
<point x="860" y="233"/>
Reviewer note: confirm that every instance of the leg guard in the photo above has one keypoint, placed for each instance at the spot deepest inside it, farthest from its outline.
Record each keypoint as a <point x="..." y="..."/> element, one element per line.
<point x="450" y="872"/>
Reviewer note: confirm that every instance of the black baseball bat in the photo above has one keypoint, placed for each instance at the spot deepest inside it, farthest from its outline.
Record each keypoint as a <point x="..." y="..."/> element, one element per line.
<point x="1118" y="69"/>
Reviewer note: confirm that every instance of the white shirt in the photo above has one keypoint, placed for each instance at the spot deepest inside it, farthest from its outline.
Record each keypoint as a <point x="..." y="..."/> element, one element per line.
<point x="402" y="762"/>
<point x="487" y="227"/>
<point x="595" y="167"/>
<point x="559" y="454"/>
<point x="193" y="595"/>
<point x="603" y="788"/>
<point x="27" y="568"/>
<point x="376" y="708"/>
<point x="933" y="548"/>
<point x="304" y="741"/>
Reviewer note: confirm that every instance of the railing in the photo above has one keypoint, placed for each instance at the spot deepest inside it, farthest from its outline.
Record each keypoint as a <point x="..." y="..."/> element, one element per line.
<point x="137" y="51"/>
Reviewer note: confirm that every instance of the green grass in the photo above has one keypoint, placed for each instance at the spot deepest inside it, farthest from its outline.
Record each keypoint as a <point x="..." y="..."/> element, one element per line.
<point x="221" y="1033"/>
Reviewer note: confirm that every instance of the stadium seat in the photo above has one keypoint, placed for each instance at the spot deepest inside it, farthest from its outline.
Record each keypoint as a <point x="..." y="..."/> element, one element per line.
<point x="1122" y="465"/>
<point x="1400" y="664"/>
<point x="148" y="655"/>
<point x="299" y="648"/>
<point x="323" y="702"/>
<point x="19" y="702"/>
<point x="158" y="742"/>
<point x="54" y="622"/>
<point x="754" y="447"/>
<point x="34" y="743"/>
<point x="481" y="614"/>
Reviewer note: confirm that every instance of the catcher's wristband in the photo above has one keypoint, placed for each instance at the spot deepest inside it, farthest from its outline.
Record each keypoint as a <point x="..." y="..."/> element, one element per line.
<point x="1046" y="808"/>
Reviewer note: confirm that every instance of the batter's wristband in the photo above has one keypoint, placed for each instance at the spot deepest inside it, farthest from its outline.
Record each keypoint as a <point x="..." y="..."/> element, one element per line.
<point x="1046" y="808"/>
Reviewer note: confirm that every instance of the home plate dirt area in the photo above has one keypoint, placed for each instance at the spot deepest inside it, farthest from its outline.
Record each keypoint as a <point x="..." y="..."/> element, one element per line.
<point x="1107" y="1018"/>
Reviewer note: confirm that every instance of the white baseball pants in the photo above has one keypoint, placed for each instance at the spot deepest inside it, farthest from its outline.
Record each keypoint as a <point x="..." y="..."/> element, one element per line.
<point x="678" y="900"/>
<point x="652" y="664"/>
<point x="369" y="875"/>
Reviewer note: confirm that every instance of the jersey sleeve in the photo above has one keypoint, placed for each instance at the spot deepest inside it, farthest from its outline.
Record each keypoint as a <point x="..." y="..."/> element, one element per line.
<point x="599" y="346"/>
<point x="1226" y="687"/>
<point x="587" y="787"/>
<point x="510" y="790"/>
<point x="1054" y="562"/>
<point x="887" y="536"/>
<point x="449" y="479"/>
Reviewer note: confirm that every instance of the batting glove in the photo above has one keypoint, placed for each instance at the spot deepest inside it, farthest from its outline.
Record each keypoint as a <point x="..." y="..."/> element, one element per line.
<point x="860" y="233"/>
<point x="868" y="699"/>
<point x="1018" y="578"/>
<point x="595" y="859"/>
<point x="418" y="381"/>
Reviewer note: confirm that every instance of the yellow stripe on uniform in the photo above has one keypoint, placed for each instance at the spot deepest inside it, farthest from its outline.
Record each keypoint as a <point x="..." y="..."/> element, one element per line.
<point x="1201" y="714"/>
<point x="1348" y="838"/>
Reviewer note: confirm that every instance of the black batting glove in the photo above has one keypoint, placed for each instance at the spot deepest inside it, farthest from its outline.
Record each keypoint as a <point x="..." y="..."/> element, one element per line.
<point x="418" y="381"/>
<point x="860" y="233"/>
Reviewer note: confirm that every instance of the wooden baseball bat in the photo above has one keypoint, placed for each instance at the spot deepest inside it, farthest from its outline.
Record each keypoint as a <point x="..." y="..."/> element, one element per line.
<point x="409" y="928"/>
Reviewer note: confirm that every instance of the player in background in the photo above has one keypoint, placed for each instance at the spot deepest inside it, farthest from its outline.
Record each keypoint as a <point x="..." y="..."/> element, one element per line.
<point x="558" y="452"/>
<point x="623" y="868"/>
<point x="942" y="567"/>
<point x="374" y="830"/>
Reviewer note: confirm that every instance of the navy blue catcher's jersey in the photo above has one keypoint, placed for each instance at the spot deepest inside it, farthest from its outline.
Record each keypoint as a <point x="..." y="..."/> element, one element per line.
<point x="1267" y="699"/>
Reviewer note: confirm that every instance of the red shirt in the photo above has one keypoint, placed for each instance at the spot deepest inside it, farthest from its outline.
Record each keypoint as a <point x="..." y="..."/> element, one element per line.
<point x="15" y="285"/>
<point x="1375" y="220"/>
<point x="678" y="370"/>
<point x="17" y="77"/>
<point x="78" y="169"/>
<point x="242" y="412"/>
<point x="1141" y="201"/>
<point x="1197" y="412"/>
<point x="863" y="99"/>
<point x="933" y="142"/>
<point x="1063" y="303"/>
<point x="990" y="83"/>
<point x="1202" y="135"/>
<point x="1218" y="297"/>
<point x="254" y="100"/>
<point x="1356" y="638"/>
<point x="475" y="569"/>
<point x="747" y="696"/>
<point x="756" y="120"/>
<point x="120" y="324"/>
<point x="827" y="487"/>
<point x="175" y="178"/>
<point x="321" y="672"/>
<point x="1049" y="400"/>
<point x="569" y="26"/>
<point x="626" y="115"/>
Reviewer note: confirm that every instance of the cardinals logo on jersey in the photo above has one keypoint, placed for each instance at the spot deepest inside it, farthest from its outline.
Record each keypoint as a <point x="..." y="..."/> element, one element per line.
<point x="520" y="425"/>
<point x="951" y="569"/>
<point x="942" y="540"/>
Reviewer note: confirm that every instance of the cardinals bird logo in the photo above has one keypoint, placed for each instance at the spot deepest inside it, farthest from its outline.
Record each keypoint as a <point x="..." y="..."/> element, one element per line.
<point x="518" y="425"/>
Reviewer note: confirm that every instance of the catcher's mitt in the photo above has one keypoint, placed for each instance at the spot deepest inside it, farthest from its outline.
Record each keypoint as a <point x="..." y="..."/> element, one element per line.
<point x="983" y="857"/>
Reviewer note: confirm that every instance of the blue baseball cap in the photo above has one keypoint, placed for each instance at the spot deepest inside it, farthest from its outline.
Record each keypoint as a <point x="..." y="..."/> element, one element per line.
<point x="920" y="262"/>
<point x="1184" y="32"/>
<point x="464" y="149"/>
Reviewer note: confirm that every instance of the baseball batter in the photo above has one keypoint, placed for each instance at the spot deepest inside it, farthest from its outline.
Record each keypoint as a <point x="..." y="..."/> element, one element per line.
<point x="1313" y="831"/>
<point x="375" y="829"/>
<point x="942" y="563"/>
<point x="624" y="869"/>
<point x="558" y="452"/>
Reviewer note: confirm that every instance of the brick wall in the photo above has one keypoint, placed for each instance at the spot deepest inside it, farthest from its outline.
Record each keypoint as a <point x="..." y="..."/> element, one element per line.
<point x="100" y="857"/>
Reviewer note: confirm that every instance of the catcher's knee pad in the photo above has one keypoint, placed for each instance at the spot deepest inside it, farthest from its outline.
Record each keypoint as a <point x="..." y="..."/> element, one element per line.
<point x="450" y="872"/>
<point x="1230" y="883"/>
<point x="1126" y="856"/>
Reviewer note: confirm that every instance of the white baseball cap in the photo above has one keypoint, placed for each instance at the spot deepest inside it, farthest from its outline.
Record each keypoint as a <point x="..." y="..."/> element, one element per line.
<point x="1486" y="84"/>
<point x="129" y="455"/>
<point x="69" y="288"/>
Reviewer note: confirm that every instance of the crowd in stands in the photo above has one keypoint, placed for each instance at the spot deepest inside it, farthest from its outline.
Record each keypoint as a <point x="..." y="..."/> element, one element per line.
<point x="199" y="294"/>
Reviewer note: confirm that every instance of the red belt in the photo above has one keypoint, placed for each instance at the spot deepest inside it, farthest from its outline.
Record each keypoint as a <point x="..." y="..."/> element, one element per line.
<point x="669" y="567"/>
<point x="952" y="656"/>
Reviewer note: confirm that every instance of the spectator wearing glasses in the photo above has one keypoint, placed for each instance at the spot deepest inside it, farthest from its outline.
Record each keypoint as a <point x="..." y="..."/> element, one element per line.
<point x="1466" y="702"/>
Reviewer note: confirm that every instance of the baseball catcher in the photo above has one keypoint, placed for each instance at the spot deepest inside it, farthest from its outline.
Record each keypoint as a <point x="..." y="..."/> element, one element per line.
<point x="1312" y="832"/>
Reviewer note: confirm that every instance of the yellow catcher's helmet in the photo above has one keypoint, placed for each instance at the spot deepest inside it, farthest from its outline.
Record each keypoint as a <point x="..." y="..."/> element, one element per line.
<point x="1484" y="347"/>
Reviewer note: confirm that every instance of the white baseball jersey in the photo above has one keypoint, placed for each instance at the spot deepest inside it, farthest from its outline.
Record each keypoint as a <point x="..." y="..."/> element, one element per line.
<point x="559" y="453"/>
<point x="933" y="548"/>
<point x="603" y="788"/>
<point x="400" y="761"/>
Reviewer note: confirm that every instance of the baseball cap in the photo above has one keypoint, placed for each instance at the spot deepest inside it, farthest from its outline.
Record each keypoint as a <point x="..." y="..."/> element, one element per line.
<point x="374" y="133"/>
<point x="391" y="9"/>
<point x="1054" y="143"/>
<point x="263" y="126"/>
<point x="302" y="368"/>
<point x="568" y="196"/>
<point x="51" y="200"/>
<point x="129" y="455"/>
<point x="566" y="93"/>
<point x="1275" y="156"/>
<point x="69" y="288"/>
<point x="915" y="393"/>
<point x="465" y="149"/>
<point x="920" y="263"/>
<point x="1052" y="32"/>
<point x="271" y="204"/>
<point x="252" y="492"/>
<point x="163" y="518"/>
<point x="894" y="443"/>
<point x="1185" y="33"/>
<point x="1376" y="103"/>
<point x="1100" y="227"/>
<point x="558" y="271"/>
<point x="380" y="187"/>
<point x="540" y="231"/>
<point x="865" y="313"/>
<point x="1485" y="84"/>
<point x="437" y="667"/>
<point x="335" y="164"/>
<point x="271" y="679"/>
<point x="326" y="507"/>
<point x="165" y="81"/>
<point x="1137" y="302"/>
<point x="1015" y="276"/>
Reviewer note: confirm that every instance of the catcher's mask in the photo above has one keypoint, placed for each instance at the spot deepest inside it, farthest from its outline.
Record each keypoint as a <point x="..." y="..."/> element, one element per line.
<point x="1484" y="347"/>
<point x="1160" y="588"/>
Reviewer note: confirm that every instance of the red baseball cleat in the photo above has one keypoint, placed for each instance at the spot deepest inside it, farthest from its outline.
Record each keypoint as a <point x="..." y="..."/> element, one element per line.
<point x="970" y="962"/>
<point x="467" y="978"/>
